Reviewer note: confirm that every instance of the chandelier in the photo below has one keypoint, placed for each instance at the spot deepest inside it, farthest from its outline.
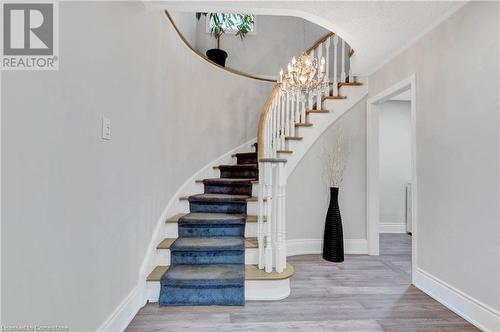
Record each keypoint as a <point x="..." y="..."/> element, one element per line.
<point x="305" y="75"/>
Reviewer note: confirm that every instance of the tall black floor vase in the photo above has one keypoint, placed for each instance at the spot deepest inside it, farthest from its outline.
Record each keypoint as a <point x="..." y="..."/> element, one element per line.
<point x="333" y="240"/>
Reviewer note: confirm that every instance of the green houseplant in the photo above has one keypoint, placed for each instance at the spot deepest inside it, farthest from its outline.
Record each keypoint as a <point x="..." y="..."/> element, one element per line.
<point x="221" y="22"/>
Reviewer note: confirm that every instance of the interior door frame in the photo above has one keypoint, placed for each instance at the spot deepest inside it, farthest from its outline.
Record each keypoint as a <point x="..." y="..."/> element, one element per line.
<point x="372" y="169"/>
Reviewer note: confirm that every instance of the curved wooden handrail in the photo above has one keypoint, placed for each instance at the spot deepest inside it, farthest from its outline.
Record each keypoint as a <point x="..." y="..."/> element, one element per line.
<point x="262" y="120"/>
<point x="319" y="41"/>
<point x="234" y="71"/>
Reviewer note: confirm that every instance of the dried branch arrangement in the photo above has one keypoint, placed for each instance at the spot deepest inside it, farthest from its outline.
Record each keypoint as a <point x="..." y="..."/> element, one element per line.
<point x="336" y="158"/>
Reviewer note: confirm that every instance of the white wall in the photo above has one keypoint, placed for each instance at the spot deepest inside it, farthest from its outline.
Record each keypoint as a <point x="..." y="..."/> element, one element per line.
<point x="78" y="212"/>
<point x="395" y="160"/>
<point x="457" y="68"/>
<point x="187" y="24"/>
<point x="277" y="39"/>
<point x="307" y="187"/>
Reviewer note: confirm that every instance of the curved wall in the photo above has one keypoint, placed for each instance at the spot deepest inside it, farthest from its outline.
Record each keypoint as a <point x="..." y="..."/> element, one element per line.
<point x="276" y="40"/>
<point x="78" y="212"/>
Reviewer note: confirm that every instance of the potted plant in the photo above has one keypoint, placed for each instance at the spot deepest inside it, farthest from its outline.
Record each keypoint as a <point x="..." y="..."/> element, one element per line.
<point x="219" y="24"/>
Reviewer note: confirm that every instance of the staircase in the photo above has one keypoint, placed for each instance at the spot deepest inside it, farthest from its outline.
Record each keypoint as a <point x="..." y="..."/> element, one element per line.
<point x="227" y="245"/>
<point x="207" y="259"/>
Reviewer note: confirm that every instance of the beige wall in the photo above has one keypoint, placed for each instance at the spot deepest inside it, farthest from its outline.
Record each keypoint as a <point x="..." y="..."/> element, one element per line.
<point x="78" y="212"/>
<point x="457" y="67"/>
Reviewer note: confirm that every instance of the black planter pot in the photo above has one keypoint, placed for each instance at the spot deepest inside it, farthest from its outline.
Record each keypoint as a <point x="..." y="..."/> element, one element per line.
<point x="333" y="241"/>
<point x="218" y="56"/>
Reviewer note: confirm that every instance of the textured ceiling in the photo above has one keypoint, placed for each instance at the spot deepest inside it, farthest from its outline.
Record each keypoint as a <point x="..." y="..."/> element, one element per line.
<point x="377" y="30"/>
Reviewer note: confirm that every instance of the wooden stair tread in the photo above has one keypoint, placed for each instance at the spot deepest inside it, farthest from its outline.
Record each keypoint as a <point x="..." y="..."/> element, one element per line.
<point x="293" y="138"/>
<point x="317" y="111"/>
<point x="252" y="272"/>
<point x="303" y="125"/>
<point x="349" y="84"/>
<point x="333" y="97"/>
<point x="272" y="160"/>
<point x="175" y="218"/>
<point x="248" y="199"/>
<point x="250" y="242"/>
<point x="285" y="151"/>
<point x="251" y="181"/>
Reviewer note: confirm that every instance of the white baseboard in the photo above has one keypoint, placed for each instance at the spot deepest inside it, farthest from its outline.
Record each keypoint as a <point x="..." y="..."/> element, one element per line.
<point x="126" y="310"/>
<point x="315" y="246"/>
<point x="385" y="227"/>
<point x="477" y="313"/>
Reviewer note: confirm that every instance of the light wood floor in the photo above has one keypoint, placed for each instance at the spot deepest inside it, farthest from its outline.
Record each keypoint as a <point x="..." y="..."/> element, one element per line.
<point x="364" y="293"/>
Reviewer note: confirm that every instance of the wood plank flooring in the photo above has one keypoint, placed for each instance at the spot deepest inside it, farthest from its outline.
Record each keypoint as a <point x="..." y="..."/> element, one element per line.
<point x="364" y="293"/>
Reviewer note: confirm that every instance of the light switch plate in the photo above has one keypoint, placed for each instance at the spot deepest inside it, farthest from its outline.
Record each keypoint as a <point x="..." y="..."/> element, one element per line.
<point x="106" y="129"/>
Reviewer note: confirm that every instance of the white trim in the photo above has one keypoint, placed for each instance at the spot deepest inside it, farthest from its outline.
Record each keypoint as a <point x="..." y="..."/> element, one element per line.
<point x="126" y="310"/>
<point x="477" y="313"/>
<point x="387" y="227"/>
<point x="267" y="290"/>
<point x="315" y="246"/>
<point x="424" y="31"/>
<point x="372" y="165"/>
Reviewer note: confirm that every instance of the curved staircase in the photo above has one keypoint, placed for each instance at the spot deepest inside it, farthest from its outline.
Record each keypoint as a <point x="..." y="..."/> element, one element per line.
<point x="208" y="257"/>
<point x="231" y="245"/>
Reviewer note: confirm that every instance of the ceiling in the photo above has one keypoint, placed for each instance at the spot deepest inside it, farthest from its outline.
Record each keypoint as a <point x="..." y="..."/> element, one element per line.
<point x="377" y="30"/>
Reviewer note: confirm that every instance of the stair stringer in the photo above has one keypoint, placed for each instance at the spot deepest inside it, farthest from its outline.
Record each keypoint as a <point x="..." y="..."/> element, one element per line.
<point x="322" y="122"/>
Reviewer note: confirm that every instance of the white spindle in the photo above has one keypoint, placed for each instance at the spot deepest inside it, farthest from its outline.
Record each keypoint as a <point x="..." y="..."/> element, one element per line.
<point x="335" y="65"/>
<point x="286" y="124"/>
<point x="282" y="119"/>
<point x="327" y="59"/>
<point x="320" y="95"/>
<point x="343" y="73"/>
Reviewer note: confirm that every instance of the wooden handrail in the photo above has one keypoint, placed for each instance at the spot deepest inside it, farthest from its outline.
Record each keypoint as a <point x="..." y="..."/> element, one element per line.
<point x="319" y="41"/>
<point x="262" y="120"/>
<point x="234" y="71"/>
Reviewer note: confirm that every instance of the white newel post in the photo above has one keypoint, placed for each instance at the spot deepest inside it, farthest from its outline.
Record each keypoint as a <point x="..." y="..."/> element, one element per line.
<point x="281" y="220"/>
<point x="269" y="223"/>
<point x="260" y="220"/>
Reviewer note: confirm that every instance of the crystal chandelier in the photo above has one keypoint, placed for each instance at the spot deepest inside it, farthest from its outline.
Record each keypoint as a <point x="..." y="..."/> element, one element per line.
<point x="305" y="75"/>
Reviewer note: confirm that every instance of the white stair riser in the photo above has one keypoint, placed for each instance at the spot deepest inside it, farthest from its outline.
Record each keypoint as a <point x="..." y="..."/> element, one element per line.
<point x="255" y="290"/>
<point x="162" y="256"/>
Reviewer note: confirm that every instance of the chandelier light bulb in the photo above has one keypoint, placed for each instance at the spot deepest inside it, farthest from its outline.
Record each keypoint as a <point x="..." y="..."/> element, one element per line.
<point x="305" y="75"/>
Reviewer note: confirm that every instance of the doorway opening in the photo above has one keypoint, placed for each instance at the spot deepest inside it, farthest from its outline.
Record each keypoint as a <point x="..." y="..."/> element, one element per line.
<point x="391" y="174"/>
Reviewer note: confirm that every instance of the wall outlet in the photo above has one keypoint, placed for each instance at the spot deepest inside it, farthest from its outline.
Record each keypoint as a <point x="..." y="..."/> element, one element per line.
<point x="106" y="129"/>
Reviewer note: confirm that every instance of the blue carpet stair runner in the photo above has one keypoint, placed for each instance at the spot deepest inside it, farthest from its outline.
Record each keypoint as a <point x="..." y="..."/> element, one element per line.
<point x="207" y="265"/>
